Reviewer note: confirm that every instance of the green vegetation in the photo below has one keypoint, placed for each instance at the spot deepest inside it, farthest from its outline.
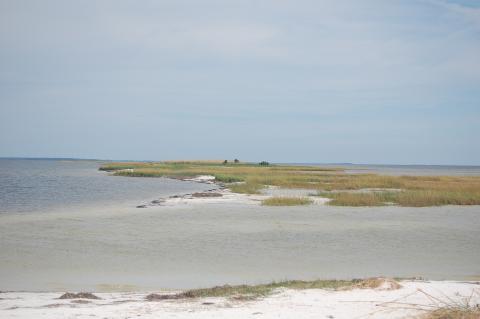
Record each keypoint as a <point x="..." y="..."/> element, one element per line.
<point x="250" y="178"/>
<point x="286" y="201"/>
<point x="255" y="291"/>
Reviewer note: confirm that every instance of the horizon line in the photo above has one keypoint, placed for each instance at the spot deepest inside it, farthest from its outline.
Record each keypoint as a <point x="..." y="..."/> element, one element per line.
<point x="280" y="163"/>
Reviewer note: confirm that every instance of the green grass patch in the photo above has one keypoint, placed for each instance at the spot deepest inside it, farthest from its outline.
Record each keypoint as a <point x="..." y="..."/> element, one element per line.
<point x="246" y="188"/>
<point x="286" y="201"/>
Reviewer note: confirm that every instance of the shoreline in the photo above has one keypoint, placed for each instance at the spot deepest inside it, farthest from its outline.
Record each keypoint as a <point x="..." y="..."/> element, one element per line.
<point x="223" y="194"/>
<point x="411" y="300"/>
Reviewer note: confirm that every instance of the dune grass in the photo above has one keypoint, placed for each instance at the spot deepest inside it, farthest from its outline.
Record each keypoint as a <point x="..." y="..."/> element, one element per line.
<point x="250" y="178"/>
<point x="255" y="291"/>
<point x="286" y="201"/>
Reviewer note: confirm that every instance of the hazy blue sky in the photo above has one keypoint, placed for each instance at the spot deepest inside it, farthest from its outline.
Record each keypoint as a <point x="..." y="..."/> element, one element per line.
<point x="285" y="81"/>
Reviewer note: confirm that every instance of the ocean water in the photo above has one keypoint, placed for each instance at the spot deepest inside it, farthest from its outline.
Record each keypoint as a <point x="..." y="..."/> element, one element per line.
<point x="45" y="185"/>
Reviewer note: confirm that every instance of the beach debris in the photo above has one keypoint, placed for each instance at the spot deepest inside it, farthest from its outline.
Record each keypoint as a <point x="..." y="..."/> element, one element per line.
<point x="80" y="295"/>
<point x="54" y="305"/>
<point x="207" y="194"/>
<point x="80" y="301"/>
<point x="142" y="206"/>
<point x="157" y="201"/>
<point x="181" y="295"/>
<point x="207" y="179"/>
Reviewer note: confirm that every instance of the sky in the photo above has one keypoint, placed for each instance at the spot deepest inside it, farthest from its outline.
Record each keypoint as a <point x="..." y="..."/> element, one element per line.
<point x="369" y="81"/>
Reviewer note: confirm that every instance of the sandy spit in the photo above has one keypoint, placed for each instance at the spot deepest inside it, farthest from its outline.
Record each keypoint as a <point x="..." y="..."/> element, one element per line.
<point x="227" y="196"/>
<point x="414" y="298"/>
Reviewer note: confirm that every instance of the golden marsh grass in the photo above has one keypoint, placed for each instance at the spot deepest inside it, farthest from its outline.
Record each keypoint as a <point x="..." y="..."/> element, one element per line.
<point x="249" y="178"/>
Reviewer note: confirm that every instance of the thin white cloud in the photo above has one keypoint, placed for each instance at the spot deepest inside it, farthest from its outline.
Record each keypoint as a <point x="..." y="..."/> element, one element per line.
<point x="471" y="14"/>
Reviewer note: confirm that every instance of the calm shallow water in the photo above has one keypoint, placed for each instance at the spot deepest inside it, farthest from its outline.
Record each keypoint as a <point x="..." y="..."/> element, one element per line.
<point x="116" y="245"/>
<point x="184" y="247"/>
<point x="44" y="185"/>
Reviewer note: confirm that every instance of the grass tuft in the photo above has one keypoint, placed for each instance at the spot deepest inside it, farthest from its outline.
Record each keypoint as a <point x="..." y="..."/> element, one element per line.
<point x="287" y="201"/>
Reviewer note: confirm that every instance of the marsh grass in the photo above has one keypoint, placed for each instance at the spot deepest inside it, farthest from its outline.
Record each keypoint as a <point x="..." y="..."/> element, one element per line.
<point x="359" y="199"/>
<point x="417" y="191"/>
<point x="422" y="198"/>
<point x="408" y="198"/>
<point x="287" y="201"/>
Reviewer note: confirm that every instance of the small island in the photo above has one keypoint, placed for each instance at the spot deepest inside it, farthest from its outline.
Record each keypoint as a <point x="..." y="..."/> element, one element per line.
<point x="340" y="187"/>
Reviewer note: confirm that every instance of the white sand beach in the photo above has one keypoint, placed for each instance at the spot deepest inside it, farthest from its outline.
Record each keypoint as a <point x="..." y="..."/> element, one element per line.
<point x="413" y="299"/>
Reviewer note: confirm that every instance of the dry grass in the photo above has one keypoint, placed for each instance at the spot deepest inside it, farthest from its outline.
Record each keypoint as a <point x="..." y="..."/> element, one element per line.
<point x="417" y="191"/>
<point x="286" y="201"/>
<point x="444" y="307"/>
<point x="453" y="313"/>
